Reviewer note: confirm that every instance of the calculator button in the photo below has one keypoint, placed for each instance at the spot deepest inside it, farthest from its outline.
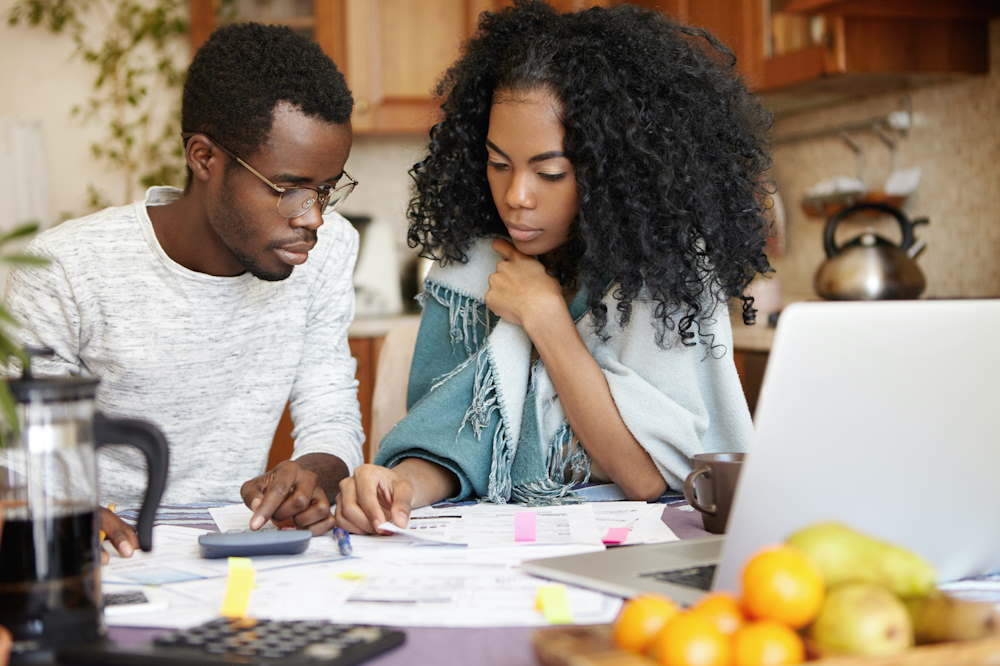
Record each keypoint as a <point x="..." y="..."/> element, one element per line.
<point x="322" y="651"/>
<point x="227" y="642"/>
<point x="171" y="639"/>
<point x="366" y="634"/>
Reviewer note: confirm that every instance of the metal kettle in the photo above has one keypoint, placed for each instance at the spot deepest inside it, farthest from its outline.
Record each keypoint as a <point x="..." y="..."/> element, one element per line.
<point x="869" y="267"/>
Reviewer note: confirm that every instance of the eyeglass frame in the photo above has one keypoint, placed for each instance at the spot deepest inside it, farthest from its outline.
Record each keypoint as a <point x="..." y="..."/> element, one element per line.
<point x="323" y="192"/>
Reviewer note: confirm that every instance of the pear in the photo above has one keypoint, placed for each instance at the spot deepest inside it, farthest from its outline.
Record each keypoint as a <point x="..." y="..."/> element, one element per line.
<point x="861" y="619"/>
<point x="844" y="554"/>
<point x="940" y="617"/>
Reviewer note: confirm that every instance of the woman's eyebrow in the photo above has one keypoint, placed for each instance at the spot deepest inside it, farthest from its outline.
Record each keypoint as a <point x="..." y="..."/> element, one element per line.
<point x="541" y="157"/>
<point x="492" y="146"/>
<point x="552" y="154"/>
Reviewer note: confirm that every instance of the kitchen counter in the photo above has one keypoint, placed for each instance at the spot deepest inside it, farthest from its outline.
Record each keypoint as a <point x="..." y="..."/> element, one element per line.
<point x="376" y="327"/>
<point x="756" y="338"/>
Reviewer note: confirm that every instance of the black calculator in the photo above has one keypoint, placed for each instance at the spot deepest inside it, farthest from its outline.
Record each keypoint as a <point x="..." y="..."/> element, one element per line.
<point x="248" y="641"/>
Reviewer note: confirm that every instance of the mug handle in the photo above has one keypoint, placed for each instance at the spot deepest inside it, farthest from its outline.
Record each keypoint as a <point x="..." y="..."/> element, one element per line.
<point x="150" y="440"/>
<point x="689" y="492"/>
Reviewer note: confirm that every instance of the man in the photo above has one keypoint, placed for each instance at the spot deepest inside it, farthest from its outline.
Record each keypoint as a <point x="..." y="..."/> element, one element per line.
<point x="206" y="310"/>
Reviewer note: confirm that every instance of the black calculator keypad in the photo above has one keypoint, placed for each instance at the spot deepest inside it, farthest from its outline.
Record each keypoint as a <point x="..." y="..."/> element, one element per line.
<point x="251" y="641"/>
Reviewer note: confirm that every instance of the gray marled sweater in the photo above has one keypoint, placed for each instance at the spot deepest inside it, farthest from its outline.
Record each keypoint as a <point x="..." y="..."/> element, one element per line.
<point x="211" y="360"/>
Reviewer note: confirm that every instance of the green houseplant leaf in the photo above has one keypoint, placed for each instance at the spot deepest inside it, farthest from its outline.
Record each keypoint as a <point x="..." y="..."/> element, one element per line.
<point x="130" y="47"/>
<point x="9" y="349"/>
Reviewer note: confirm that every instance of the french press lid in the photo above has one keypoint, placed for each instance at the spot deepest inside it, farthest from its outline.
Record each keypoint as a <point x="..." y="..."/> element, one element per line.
<point x="28" y="388"/>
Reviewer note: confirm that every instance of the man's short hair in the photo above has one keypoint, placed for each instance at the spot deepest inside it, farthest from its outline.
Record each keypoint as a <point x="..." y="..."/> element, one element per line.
<point x="244" y="70"/>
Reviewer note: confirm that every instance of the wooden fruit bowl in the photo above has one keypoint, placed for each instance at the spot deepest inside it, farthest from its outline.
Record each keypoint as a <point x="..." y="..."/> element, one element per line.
<point x="592" y="646"/>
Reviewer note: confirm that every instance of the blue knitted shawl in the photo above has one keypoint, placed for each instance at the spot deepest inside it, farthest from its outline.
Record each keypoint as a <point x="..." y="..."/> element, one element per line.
<point x="479" y="407"/>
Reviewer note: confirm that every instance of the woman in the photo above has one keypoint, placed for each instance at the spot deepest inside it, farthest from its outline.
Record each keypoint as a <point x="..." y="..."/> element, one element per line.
<point x="593" y="198"/>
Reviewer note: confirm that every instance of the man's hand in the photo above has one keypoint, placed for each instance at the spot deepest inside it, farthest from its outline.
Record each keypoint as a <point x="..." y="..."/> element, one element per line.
<point x="371" y="497"/>
<point x="520" y="288"/>
<point x="288" y="493"/>
<point x="119" y="533"/>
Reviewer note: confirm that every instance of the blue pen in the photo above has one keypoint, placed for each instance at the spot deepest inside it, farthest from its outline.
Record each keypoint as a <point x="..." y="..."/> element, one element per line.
<point x="343" y="541"/>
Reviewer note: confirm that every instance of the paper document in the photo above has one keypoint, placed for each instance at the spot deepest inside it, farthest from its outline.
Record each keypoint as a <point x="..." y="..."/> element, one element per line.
<point x="234" y="518"/>
<point x="463" y="596"/>
<point x="644" y="521"/>
<point x="389" y="579"/>
<point x="418" y="535"/>
<point x="396" y="592"/>
<point x="493" y="525"/>
<point x="176" y="558"/>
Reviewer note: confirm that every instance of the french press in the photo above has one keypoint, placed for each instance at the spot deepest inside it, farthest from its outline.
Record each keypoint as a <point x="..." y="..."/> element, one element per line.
<point x="50" y="593"/>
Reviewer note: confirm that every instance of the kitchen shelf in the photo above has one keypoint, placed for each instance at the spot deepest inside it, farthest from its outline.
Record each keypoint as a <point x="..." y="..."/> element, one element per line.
<point x="872" y="47"/>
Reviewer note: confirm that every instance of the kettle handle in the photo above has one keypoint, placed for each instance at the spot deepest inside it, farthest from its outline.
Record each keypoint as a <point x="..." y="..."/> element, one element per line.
<point x="831" y="226"/>
<point x="150" y="440"/>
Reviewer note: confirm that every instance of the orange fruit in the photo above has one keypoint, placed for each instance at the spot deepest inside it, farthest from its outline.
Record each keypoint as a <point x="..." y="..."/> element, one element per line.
<point x="781" y="583"/>
<point x="641" y="619"/>
<point x="767" y="643"/>
<point x="692" y="639"/>
<point x="723" y="609"/>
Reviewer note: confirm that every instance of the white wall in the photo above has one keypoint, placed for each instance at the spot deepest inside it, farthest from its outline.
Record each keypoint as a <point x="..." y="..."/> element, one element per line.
<point x="40" y="82"/>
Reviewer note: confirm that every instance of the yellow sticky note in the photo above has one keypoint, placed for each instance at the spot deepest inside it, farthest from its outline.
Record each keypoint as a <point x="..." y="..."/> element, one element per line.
<point x="350" y="575"/>
<point x="553" y="603"/>
<point x="239" y="584"/>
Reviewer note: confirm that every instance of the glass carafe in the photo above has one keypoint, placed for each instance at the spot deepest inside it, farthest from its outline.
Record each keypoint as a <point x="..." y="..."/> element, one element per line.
<point x="50" y="592"/>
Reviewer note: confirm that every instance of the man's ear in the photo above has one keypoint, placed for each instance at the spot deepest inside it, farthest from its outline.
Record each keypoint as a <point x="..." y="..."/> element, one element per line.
<point x="202" y="156"/>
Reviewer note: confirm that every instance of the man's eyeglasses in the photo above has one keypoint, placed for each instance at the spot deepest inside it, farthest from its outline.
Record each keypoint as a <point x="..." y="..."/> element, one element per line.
<point x="295" y="201"/>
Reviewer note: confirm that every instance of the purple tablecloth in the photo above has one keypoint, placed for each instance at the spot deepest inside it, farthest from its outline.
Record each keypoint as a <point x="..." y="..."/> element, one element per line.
<point x="504" y="646"/>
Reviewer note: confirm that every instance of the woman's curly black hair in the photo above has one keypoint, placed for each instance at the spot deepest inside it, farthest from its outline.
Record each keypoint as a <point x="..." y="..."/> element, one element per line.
<point x="667" y="144"/>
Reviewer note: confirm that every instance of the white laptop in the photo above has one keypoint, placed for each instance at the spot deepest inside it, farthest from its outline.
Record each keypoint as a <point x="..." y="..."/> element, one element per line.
<point x="884" y="415"/>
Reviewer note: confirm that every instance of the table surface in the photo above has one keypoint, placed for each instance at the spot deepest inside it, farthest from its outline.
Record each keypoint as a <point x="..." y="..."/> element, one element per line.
<point x="509" y="646"/>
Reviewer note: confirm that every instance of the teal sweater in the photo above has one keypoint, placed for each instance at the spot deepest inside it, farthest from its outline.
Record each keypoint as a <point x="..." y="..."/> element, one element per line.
<point x="479" y="407"/>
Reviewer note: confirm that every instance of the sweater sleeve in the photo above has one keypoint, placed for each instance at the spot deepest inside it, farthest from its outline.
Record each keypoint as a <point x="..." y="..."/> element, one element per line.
<point x="42" y="300"/>
<point x="324" y="399"/>
<point x="677" y="401"/>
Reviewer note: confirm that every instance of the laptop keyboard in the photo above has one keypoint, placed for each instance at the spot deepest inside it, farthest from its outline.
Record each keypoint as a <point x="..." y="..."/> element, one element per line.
<point x="699" y="578"/>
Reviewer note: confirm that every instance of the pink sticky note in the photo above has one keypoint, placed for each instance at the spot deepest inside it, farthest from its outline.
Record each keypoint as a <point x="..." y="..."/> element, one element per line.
<point x="616" y="535"/>
<point x="524" y="526"/>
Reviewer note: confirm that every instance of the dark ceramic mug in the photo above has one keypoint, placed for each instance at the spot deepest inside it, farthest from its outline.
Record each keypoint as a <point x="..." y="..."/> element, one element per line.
<point x="710" y="487"/>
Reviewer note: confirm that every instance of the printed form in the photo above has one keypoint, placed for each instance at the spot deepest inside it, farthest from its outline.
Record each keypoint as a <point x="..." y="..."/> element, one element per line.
<point x="395" y="579"/>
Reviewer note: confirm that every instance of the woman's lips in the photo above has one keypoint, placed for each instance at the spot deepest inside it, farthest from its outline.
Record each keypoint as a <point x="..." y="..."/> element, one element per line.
<point x="523" y="235"/>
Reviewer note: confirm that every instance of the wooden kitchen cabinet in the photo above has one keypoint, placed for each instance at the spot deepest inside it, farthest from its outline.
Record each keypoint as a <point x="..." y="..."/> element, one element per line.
<point x="365" y="350"/>
<point x="802" y="54"/>
<point x="750" y="366"/>
<point x="395" y="52"/>
<point x="392" y="52"/>
<point x="872" y="46"/>
<point x="797" y="54"/>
